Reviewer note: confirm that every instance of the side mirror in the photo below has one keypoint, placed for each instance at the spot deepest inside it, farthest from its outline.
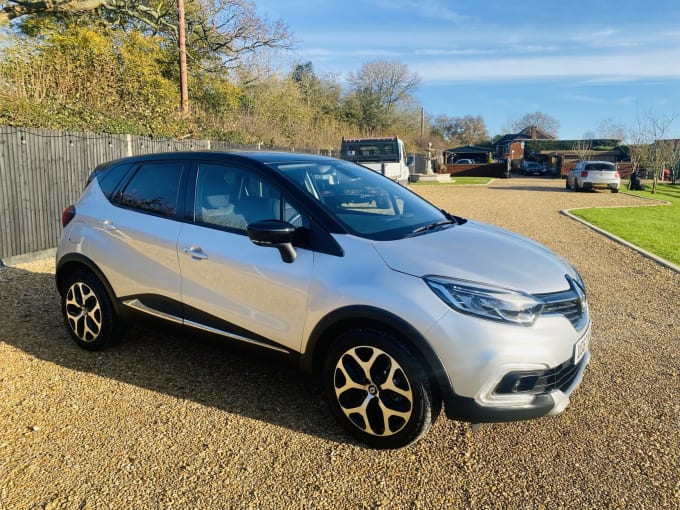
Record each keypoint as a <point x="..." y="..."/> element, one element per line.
<point x="274" y="234"/>
<point x="410" y="161"/>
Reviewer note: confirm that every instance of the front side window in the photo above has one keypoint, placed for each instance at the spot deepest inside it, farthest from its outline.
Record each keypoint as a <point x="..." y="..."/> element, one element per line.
<point x="368" y="204"/>
<point x="154" y="188"/>
<point x="232" y="198"/>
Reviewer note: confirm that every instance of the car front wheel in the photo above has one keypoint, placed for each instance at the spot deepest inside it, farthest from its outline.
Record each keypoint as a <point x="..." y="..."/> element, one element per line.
<point x="87" y="310"/>
<point x="378" y="389"/>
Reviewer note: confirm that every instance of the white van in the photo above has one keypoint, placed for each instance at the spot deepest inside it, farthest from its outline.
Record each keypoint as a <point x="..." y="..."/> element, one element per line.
<point x="385" y="155"/>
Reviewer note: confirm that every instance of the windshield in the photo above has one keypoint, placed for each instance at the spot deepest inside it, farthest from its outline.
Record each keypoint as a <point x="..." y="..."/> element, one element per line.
<point x="366" y="203"/>
<point x="370" y="151"/>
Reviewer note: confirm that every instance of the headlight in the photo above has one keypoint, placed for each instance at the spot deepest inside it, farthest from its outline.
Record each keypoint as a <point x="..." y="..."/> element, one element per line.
<point x="487" y="301"/>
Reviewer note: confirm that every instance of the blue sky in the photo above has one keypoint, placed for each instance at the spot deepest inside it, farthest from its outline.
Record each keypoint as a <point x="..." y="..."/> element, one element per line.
<point x="582" y="62"/>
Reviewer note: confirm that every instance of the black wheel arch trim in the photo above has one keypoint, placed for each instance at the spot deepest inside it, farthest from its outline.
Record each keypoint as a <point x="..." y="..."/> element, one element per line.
<point x="83" y="261"/>
<point x="338" y="320"/>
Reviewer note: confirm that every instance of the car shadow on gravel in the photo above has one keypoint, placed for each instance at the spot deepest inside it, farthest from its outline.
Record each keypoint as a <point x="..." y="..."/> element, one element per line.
<point x="184" y="366"/>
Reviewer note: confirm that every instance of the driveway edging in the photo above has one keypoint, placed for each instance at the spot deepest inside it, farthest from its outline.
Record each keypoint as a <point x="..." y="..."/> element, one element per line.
<point x="645" y="253"/>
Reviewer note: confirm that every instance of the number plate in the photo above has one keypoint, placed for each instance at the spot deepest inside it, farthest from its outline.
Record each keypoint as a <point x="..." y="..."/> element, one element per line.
<point x="581" y="347"/>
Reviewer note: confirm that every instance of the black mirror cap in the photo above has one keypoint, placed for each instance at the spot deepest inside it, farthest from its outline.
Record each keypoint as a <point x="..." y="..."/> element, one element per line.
<point x="271" y="232"/>
<point x="275" y="234"/>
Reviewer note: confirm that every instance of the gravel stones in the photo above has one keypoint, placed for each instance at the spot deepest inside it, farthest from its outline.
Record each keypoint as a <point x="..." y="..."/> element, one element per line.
<point x="159" y="421"/>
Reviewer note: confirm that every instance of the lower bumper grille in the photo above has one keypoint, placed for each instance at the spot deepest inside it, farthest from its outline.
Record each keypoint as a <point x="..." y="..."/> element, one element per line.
<point x="538" y="381"/>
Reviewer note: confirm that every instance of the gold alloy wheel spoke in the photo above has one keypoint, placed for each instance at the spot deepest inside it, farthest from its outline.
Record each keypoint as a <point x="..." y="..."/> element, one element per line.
<point x="374" y="407"/>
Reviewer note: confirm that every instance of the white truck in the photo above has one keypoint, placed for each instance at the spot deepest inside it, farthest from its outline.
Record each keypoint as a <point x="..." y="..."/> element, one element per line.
<point x="384" y="155"/>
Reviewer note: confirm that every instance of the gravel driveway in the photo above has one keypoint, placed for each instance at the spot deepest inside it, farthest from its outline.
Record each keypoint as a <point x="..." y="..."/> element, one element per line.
<point x="162" y="422"/>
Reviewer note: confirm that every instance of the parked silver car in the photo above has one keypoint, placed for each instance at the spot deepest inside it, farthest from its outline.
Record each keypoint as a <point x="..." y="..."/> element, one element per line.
<point x="594" y="174"/>
<point x="398" y="306"/>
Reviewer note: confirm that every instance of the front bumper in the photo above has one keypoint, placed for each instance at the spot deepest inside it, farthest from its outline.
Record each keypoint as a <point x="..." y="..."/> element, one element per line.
<point x="500" y="372"/>
<point x="544" y="404"/>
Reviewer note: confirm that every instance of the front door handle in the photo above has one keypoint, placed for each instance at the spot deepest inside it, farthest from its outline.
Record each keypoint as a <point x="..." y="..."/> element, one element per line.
<point x="196" y="252"/>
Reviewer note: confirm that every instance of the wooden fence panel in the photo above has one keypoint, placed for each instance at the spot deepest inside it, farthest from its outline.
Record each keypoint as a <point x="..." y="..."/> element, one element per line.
<point x="42" y="172"/>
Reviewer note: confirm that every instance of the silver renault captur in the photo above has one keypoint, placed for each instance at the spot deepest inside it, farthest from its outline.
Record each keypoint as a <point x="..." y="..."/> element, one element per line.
<point x="399" y="307"/>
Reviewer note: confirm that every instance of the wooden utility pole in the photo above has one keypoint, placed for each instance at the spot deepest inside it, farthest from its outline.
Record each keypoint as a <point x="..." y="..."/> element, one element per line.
<point x="182" y="36"/>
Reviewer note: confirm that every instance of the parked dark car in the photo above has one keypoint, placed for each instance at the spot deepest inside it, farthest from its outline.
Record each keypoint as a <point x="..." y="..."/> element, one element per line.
<point x="533" y="168"/>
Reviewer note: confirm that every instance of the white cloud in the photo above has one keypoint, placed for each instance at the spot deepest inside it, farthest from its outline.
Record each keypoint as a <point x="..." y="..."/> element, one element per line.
<point x="614" y="66"/>
<point x="430" y="9"/>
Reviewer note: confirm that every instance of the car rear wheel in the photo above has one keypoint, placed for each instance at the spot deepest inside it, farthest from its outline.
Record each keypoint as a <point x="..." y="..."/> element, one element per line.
<point x="88" y="312"/>
<point x="378" y="389"/>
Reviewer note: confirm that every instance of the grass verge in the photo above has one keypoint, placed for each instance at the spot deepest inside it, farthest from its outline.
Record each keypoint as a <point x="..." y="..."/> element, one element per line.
<point x="654" y="229"/>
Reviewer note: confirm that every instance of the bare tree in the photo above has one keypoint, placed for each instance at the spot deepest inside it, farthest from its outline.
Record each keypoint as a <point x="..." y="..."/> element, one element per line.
<point x="379" y="88"/>
<point x="153" y="15"/>
<point x="638" y="139"/>
<point x="659" y="154"/>
<point x="610" y="129"/>
<point x="540" y="120"/>
<point x="667" y="153"/>
<point x="467" y="130"/>
<point x="583" y="148"/>
<point x="220" y="33"/>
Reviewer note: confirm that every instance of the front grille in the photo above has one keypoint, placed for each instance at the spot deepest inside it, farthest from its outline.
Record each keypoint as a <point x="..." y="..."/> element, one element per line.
<point x="571" y="309"/>
<point x="538" y="381"/>
<point x="570" y="303"/>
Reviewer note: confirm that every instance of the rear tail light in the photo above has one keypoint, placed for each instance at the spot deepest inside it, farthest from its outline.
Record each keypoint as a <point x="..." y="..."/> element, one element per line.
<point x="584" y="174"/>
<point x="616" y="174"/>
<point x="67" y="215"/>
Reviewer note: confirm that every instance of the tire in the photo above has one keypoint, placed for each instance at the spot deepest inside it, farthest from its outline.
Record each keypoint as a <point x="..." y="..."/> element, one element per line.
<point x="615" y="190"/>
<point x="88" y="312"/>
<point x="378" y="389"/>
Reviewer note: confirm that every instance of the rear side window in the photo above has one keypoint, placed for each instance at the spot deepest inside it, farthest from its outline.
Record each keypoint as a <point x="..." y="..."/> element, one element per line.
<point x="109" y="178"/>
<point x="154" y="188"/>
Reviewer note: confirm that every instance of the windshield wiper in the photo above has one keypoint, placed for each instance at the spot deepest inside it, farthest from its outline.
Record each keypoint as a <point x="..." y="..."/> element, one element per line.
<point x="432" y="226"/>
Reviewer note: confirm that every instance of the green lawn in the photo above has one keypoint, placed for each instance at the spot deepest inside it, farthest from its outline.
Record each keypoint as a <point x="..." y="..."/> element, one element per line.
<point x="457" y="181"/>
<point x="654" y="229"/>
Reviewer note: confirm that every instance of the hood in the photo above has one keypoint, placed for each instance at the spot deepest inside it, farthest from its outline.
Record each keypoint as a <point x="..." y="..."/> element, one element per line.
<point x="480" y="253"/>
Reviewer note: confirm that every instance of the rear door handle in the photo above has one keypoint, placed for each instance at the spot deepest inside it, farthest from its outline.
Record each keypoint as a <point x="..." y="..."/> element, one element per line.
<point x="196" y="252"/>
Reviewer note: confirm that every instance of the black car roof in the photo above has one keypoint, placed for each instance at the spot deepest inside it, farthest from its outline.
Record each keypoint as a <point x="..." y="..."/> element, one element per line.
<point x="258" y="156"/>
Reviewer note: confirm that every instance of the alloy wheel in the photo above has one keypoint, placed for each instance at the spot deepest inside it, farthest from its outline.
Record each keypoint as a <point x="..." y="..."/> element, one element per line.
<point x="83" y="312"/>
<point x="373" y="391"/>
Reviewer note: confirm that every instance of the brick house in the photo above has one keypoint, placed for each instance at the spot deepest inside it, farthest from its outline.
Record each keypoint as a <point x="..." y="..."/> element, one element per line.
<point x="512" y="146"/>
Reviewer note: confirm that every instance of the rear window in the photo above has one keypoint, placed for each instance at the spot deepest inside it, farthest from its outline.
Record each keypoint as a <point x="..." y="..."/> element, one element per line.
<point x="601" y="166"/>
